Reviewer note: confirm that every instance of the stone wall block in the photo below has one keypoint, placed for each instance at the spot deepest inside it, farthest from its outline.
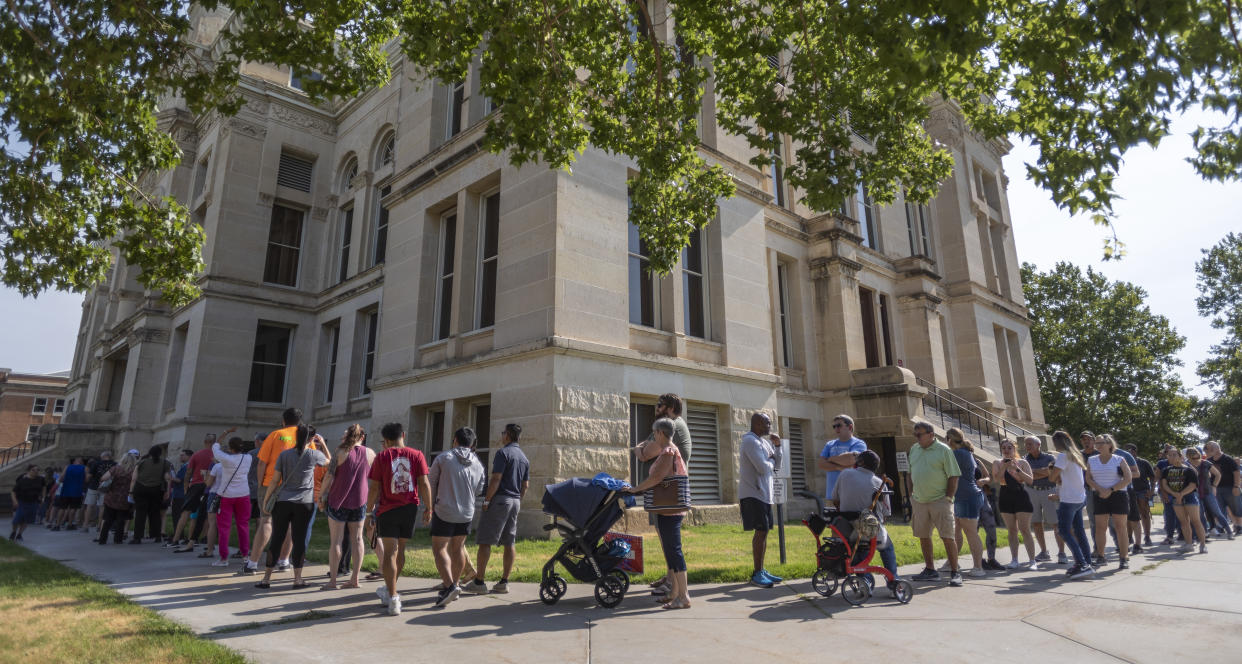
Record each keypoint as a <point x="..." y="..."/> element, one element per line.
<point x="574" y="400"/>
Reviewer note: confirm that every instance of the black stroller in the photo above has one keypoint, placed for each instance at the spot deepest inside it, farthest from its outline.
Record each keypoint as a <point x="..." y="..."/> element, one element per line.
<point x="582" y="512"/>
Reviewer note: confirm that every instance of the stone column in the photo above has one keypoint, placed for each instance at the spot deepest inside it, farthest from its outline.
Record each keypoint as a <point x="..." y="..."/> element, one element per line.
<point x="838" y="336"/>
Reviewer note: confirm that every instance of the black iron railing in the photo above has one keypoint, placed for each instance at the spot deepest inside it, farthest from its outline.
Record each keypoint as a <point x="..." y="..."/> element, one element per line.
<point x="36" y="443"/>
<point x="950" y="410"/>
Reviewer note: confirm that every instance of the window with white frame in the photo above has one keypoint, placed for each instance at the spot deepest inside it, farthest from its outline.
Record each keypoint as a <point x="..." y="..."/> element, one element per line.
<point x="32" y="431"/>
<point x="643" y="285"/>
<point x="347" y="235"/>
<point x="694" y="285"/>
<point x="456" y="104"/>
<point x="59" y="407"/>
<point x="785" y="315"/>
<point x="387" y="154"/>
<point x="866" y="214"/>
<point x="917" y="220"/>
<point x="489" y="250"/>
<point x="40" y="406"/>
<point x="380" y="251"/>
<point x="444" y="275"/>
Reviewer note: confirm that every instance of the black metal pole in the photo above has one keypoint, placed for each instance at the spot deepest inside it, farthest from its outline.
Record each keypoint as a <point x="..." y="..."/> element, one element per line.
<point x="780" y="527"/>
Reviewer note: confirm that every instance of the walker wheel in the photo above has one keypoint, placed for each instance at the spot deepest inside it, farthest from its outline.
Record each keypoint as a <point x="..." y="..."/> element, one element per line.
<point x="903" y="591"/>
<point x="824" y="582"/>
<point x="855" y="590"/>
<point x="609" y="592"/>
<point x="561" y="586"/>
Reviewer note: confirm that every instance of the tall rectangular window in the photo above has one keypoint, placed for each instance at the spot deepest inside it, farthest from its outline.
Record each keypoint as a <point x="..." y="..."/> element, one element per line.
<point x="284" y="246"/>
<point x="381" y="227"/>
<point x="347" y="235"/>
<point x="489" y="249"/>
<point x="32" y="431"/>
<point x="694" y="269"/>
<point x="456" y="102"/>
<point x="885" y="336"/>
<point x="40" y="406"/>
<point x="435" y="432"/>
<point x="444" y="291"/>
<point x="270" y="363"/>
<point x="776" y="170"/>
<point x="59" y="407"/>
<point x="200" y="179"/>
<point x="866" y="308"/>
<point x="782" y="294"/>
<point x="865" y="214"/>
<point x="176" y="357"/>
<point x="917" y="229"/>
<point x="334" y="348"/>
<point x="643" y="284"/>
<point x="368" y="352"/>
<point x="482" y="423"/>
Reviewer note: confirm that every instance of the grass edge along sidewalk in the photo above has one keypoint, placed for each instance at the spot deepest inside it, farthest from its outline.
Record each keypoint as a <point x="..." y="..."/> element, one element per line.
<point x="714" y="553"/>
<point x="52" y="613"/>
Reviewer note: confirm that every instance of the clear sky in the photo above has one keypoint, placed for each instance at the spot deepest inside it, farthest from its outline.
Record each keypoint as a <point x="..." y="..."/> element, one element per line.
<point x="1167" y="216"/>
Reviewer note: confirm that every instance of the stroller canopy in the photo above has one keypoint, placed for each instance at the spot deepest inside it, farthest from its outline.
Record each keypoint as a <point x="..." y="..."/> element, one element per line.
<point x="579" y="499"/>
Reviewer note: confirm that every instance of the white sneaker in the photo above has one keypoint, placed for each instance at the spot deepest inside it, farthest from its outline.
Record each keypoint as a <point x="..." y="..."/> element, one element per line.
<point x="394" y="606"/>
<point x="1013" y="564"/>
<point x="223" y="562"/>
<point x="501" y="587"/>
<point x="382" y="593"/>
<point x="1033" y="566"/>
<point x="977" y="572"/>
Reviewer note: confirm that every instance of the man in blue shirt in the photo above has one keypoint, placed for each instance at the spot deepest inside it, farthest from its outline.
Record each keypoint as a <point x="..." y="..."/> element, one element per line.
<point x="72" y="492"/>
<point x="502" y="501"/>
<point x="839" y="454"/>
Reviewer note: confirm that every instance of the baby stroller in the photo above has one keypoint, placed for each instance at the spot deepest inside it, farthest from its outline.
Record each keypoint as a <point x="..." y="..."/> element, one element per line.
<point x="843" y="557"/>
<point x="582" y="511"/>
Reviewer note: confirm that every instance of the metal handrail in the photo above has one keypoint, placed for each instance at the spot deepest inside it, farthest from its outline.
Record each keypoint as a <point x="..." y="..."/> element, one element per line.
<point x="39" y="442"/>
<point x="977" y="418"/>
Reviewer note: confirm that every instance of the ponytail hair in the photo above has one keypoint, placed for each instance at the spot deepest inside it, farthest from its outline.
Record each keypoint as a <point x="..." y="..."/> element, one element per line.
<point x="1064" y="443"/>
<point x="303" y="433"/>
<point x="956" y="435"/>
<point x="353" y="435"/>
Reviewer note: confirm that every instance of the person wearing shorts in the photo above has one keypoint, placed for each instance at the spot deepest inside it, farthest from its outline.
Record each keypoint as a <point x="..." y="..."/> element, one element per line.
<point x="26" y="495"/>
<point x="1043" y="507"/>
<point x="72" y="493"/>
<point x="967" y="501"/>
<point x="934" y="473"/>
<point x="1108" y="476"/>
<point x="92" y="515"/>
<point x="761" y="456"/>
<point x="1015" y="504"/>
<point x="456" y="478"/>
<point x="196" y="470"/>
<point x="502" y="502"/>
<point x="397" y="482"/>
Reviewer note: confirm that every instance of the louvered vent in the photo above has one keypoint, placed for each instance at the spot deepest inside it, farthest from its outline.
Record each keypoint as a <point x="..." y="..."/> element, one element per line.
<point x="704" y="456"/>
<point x="797" y="455"/>
<point x="294" y="172"/>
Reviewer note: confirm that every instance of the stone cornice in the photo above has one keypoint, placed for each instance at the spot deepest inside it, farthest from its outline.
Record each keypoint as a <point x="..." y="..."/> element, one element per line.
<point x="787" y="230"/>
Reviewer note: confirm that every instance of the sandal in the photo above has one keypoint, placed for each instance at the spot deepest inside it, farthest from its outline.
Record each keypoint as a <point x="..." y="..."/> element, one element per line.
<point x="263" y="585"/>
<point x="205" y="554"/>
<point x="303" y="584"/>
<point x="348" y="584"/>
<point x="329" y="586"/>
<point x="677" y="605"/>
<point x="373" y="576"/>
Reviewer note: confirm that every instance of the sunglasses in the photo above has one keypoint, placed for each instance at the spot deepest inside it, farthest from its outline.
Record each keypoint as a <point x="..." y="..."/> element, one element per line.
<point x="838" y="425"/>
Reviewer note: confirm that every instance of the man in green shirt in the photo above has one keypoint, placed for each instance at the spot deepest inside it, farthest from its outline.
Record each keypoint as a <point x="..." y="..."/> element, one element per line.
<point x="933" y="472"/>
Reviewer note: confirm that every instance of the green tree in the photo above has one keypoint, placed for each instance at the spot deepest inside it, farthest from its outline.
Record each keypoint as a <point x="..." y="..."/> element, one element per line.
<point x="1220" y="299"/>
<point x="1105" y="362"/>
<point x="81" y="82"/>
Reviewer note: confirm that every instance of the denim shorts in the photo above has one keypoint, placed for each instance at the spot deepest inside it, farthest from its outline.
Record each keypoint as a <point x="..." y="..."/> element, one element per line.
<point x="1190" y="499"/>
<point x="969" y="507"/>
<point x="346" y="514"/>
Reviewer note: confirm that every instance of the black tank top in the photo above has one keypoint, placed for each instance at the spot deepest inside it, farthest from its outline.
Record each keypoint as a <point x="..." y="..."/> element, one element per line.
<point x="1012" y="483"/>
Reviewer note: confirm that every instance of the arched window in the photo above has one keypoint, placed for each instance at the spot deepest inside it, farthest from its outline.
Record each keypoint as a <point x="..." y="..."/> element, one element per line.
<point x="348" y="174"/>
<point x="387" y="152"/>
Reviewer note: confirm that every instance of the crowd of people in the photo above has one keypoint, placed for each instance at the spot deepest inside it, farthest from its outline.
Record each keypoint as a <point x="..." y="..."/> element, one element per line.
<point x="283" y="480"/>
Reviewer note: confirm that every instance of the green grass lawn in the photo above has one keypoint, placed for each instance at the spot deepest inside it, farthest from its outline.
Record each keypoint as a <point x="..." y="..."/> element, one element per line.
<point x="714" y="553"/>
<point x="52" y="613"/>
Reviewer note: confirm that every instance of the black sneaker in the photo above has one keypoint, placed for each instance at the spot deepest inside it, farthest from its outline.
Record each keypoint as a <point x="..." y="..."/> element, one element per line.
<point x="1136" y="549"/>
<point x="71" y="527"/>
<point x="1073" y="569"/>
<point x="1125" y="564"/>
<point x="1237" y="530"/>
<point x="1099" y="561"/>
<point x="928" y="574"/>
<point x="447" y="595"/>
<point x="1147" y="541"/>
<point x="19" y="538"/>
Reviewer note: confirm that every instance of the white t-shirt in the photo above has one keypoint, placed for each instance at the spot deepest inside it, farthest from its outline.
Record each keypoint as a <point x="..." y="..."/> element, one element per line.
<point x="1073" y="483"/>
<point x="215" y="485"/>
<point x="1107" y="475"/>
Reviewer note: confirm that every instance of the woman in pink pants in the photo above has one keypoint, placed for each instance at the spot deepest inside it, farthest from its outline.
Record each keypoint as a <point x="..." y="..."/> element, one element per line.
<point x="234" y="496"/>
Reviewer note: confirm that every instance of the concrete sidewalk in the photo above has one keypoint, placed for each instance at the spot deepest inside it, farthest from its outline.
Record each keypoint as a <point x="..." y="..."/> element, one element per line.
<point x="1167" y="608"/>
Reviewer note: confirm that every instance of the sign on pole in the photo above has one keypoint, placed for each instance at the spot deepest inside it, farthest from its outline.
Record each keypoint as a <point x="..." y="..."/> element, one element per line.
<point x="903" y="462"/>
<point x="780" y="491"/>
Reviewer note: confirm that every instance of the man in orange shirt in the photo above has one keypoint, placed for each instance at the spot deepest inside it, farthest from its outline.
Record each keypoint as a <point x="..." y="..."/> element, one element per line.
<point x="276" y="442"/>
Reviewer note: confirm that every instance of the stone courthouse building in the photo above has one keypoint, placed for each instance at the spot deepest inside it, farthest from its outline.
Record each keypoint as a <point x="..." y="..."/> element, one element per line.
<point x="367" y="262"/>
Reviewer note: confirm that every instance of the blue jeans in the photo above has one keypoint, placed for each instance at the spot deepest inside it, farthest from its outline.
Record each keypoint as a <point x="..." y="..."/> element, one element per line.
<point x="1211" y="512"/>
<point x="670" y="541"/>
<point x="1069" y="522"/>
<point x="888" y="559"/>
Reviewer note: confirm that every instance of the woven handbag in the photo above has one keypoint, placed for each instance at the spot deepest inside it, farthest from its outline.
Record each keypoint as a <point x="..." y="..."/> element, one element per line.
<point x="671" y="494"/>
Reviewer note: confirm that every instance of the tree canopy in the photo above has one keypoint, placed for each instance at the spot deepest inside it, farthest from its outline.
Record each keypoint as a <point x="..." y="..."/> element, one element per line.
<point x="1105" y="362"/>
<point x="1085" y="80"/>
<point x="1220" y="299"/>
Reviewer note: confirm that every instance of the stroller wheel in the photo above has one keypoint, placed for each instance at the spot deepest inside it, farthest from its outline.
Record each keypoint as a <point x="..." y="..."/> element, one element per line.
<point x="824" y="582"/>
<point x="609" y="592"/>
<point x="548" y="593"/>
<point x="903" y="591"/>
<point x="623" y="578"/>
<point x="561" y="586"/>
<point x="855" y="590"/>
